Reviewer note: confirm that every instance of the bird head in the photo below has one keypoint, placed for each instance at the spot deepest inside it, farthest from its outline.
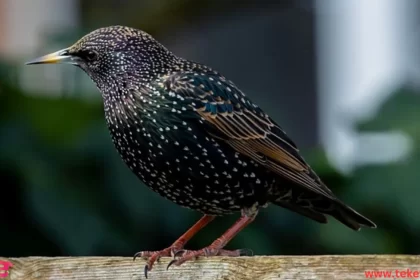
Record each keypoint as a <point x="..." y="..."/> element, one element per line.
<point x="111" y="52"/>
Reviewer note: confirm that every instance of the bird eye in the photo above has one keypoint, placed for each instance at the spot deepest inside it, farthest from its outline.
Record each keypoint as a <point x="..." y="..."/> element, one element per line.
<point x="88" y="55"/>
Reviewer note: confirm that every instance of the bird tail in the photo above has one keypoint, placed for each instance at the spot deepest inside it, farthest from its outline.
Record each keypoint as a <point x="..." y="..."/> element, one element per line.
<point x="335" y="208"/>
<point x="350" y="217"/>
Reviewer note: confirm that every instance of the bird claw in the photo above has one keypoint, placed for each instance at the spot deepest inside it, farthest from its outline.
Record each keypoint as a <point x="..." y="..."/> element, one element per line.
<point x="178" y="253"/>
<point x="146" y="269"/>
<point x="154" y="256"/>
<point x="246" y="252"/>
<point x="171" y="263"/>
<point x="138" y="254"/>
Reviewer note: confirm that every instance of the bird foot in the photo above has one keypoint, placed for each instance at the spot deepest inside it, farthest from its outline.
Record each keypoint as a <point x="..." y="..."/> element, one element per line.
<point x="153" y="256"/>
<point x="185" y="255"/>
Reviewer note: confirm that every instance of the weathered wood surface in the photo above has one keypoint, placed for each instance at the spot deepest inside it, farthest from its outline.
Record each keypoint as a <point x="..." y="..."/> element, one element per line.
<point x="341" y="267"/>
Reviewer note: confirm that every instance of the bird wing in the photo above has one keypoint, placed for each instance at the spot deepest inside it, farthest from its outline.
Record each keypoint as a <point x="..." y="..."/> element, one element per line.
<point x="231" y="116"/>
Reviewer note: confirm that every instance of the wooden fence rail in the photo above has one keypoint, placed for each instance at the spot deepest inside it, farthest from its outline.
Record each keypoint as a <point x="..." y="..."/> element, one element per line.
<point x="342" y="267"/>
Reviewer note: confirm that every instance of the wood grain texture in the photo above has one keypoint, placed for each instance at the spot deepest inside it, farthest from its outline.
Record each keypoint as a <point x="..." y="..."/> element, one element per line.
<point x="342" y="267"/>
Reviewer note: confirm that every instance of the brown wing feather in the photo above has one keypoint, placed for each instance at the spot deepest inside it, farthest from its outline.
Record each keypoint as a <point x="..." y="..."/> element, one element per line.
<point x="260" y="142"/>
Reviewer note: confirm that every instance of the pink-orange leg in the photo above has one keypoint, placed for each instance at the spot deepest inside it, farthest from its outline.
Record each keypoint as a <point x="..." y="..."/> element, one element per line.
<point x="176" y="246"/>
<point x="216" y="248"/>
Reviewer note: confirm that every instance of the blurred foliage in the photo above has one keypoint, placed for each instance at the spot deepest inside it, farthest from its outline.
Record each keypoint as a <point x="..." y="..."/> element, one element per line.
<point x="388" y="193"/>
<point x="65" y="191"/>
<point x="164" y="15"/>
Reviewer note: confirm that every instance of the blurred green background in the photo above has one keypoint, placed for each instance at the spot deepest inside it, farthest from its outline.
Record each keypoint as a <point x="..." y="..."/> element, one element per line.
<point x="65" y="191"/>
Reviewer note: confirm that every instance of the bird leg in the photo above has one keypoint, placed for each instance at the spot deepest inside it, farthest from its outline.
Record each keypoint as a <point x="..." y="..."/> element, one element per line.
<point x="172" y="250"/>
<point x="216" y="248"/>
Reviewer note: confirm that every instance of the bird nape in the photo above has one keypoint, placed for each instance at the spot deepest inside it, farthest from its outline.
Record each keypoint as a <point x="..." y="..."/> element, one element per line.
<point x="192" y="136"/>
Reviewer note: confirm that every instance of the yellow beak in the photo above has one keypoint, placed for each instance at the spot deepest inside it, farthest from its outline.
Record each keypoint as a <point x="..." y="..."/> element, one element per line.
<point x="61" y="56"/>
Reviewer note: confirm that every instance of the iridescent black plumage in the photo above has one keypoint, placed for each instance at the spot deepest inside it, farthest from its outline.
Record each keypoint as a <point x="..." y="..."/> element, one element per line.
<point x="192" y="136"/>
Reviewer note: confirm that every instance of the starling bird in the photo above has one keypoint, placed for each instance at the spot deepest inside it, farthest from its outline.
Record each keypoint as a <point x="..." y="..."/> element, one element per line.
<point x="191" y="135"/>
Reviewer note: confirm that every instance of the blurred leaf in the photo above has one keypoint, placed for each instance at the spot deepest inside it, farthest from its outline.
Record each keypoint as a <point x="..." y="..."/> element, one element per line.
<point x="399" y="112"/>
<point x="55" y="120"/>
